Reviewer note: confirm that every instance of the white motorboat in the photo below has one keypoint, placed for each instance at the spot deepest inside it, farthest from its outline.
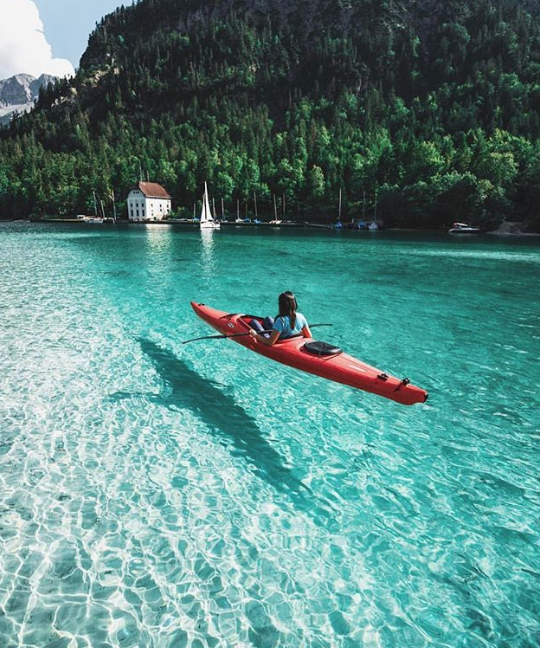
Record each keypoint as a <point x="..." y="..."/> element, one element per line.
<point x="463" y="228"/>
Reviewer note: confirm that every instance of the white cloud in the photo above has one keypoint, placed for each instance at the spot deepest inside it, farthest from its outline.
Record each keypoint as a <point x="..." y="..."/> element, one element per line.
<point x="23" y="46"/>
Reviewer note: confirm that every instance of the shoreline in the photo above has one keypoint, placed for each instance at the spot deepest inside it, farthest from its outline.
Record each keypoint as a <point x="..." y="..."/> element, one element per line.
<point x="512" y="228"/>
<point x="506" y="230"/>
<point x="514" y="234"/>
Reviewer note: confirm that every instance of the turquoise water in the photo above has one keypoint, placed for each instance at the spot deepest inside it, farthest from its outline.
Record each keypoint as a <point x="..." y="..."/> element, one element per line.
<point x="160" y="495"/>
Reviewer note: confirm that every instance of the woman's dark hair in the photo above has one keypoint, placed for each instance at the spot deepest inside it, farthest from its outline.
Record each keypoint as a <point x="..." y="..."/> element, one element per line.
<point x="287" y="306"/>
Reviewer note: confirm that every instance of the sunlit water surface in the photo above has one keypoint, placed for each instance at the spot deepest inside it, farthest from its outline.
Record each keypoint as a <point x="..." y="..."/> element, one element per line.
<point x="160" y="495"/>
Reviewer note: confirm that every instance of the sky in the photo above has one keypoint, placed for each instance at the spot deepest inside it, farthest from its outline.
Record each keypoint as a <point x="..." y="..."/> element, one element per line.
<point x="47" y="36"/>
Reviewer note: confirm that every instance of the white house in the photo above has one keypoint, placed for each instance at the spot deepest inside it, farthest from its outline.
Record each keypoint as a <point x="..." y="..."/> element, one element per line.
<point x="148" y="201"/>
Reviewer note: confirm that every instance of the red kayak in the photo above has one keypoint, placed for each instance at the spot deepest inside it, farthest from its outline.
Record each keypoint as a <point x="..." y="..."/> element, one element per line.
<point x="314" y="357"/>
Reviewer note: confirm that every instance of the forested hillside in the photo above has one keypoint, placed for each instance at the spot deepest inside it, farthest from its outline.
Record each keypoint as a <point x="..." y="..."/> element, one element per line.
<point x="429" y="108"/>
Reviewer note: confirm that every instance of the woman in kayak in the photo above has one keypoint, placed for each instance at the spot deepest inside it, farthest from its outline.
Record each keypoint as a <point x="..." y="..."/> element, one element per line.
<point x="288" y="323"/>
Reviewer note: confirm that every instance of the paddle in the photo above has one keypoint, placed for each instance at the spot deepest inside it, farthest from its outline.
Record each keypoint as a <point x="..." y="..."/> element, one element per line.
<point x="234" y="335"/>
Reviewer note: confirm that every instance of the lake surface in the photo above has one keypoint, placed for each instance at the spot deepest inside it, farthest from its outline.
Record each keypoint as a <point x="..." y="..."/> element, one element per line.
<point x="160" y="495"/>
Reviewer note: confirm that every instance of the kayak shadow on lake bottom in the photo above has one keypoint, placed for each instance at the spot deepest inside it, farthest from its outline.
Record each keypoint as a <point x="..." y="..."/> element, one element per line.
<point x="186" y="389"/>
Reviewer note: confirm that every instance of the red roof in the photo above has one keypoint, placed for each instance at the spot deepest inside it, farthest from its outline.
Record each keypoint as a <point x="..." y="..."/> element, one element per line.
<point x="153" y="190"/>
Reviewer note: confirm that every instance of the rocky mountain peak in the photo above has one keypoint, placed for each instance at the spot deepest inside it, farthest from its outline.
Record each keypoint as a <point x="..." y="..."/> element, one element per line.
<point x="18" y="93"/>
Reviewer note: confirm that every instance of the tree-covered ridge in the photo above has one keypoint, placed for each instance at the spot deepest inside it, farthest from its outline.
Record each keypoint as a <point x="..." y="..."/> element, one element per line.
<point x="430" y="110"/>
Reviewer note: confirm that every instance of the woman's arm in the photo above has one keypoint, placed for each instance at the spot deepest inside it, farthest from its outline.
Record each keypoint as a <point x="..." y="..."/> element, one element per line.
<point x="264" y="340"/>
<point x="305" y="329"/>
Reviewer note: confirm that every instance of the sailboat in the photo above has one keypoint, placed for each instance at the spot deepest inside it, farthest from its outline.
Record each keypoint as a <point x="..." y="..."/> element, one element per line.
<point x="95" y="219"/>
<point x="207" y="220"/>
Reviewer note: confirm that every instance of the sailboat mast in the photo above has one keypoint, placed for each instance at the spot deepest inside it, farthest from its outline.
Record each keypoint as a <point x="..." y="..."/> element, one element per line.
<point x="364" y="206"/>
<point x="203" y="211"/>
<point x="206" y="213"/>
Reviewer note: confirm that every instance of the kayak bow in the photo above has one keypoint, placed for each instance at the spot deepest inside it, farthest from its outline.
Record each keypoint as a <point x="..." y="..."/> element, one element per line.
<point x="338" y="366"/>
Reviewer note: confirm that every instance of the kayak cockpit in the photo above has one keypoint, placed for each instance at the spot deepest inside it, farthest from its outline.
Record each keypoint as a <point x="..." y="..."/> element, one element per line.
<point x="311" y="347"/>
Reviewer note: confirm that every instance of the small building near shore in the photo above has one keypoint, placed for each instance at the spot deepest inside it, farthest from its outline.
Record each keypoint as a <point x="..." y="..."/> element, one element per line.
<point x="148" y="201"/>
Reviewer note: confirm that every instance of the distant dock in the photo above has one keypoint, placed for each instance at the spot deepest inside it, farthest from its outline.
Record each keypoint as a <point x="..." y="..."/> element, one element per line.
<point x="178" y="223"/>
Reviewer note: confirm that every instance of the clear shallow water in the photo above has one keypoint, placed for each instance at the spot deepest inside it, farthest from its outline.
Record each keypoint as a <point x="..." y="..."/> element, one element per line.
<point x="160" y="495"/>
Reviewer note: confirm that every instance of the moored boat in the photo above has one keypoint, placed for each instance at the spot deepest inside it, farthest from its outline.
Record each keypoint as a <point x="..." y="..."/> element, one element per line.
<point x="463" y="228"/>
<point x="207" y="220"/>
